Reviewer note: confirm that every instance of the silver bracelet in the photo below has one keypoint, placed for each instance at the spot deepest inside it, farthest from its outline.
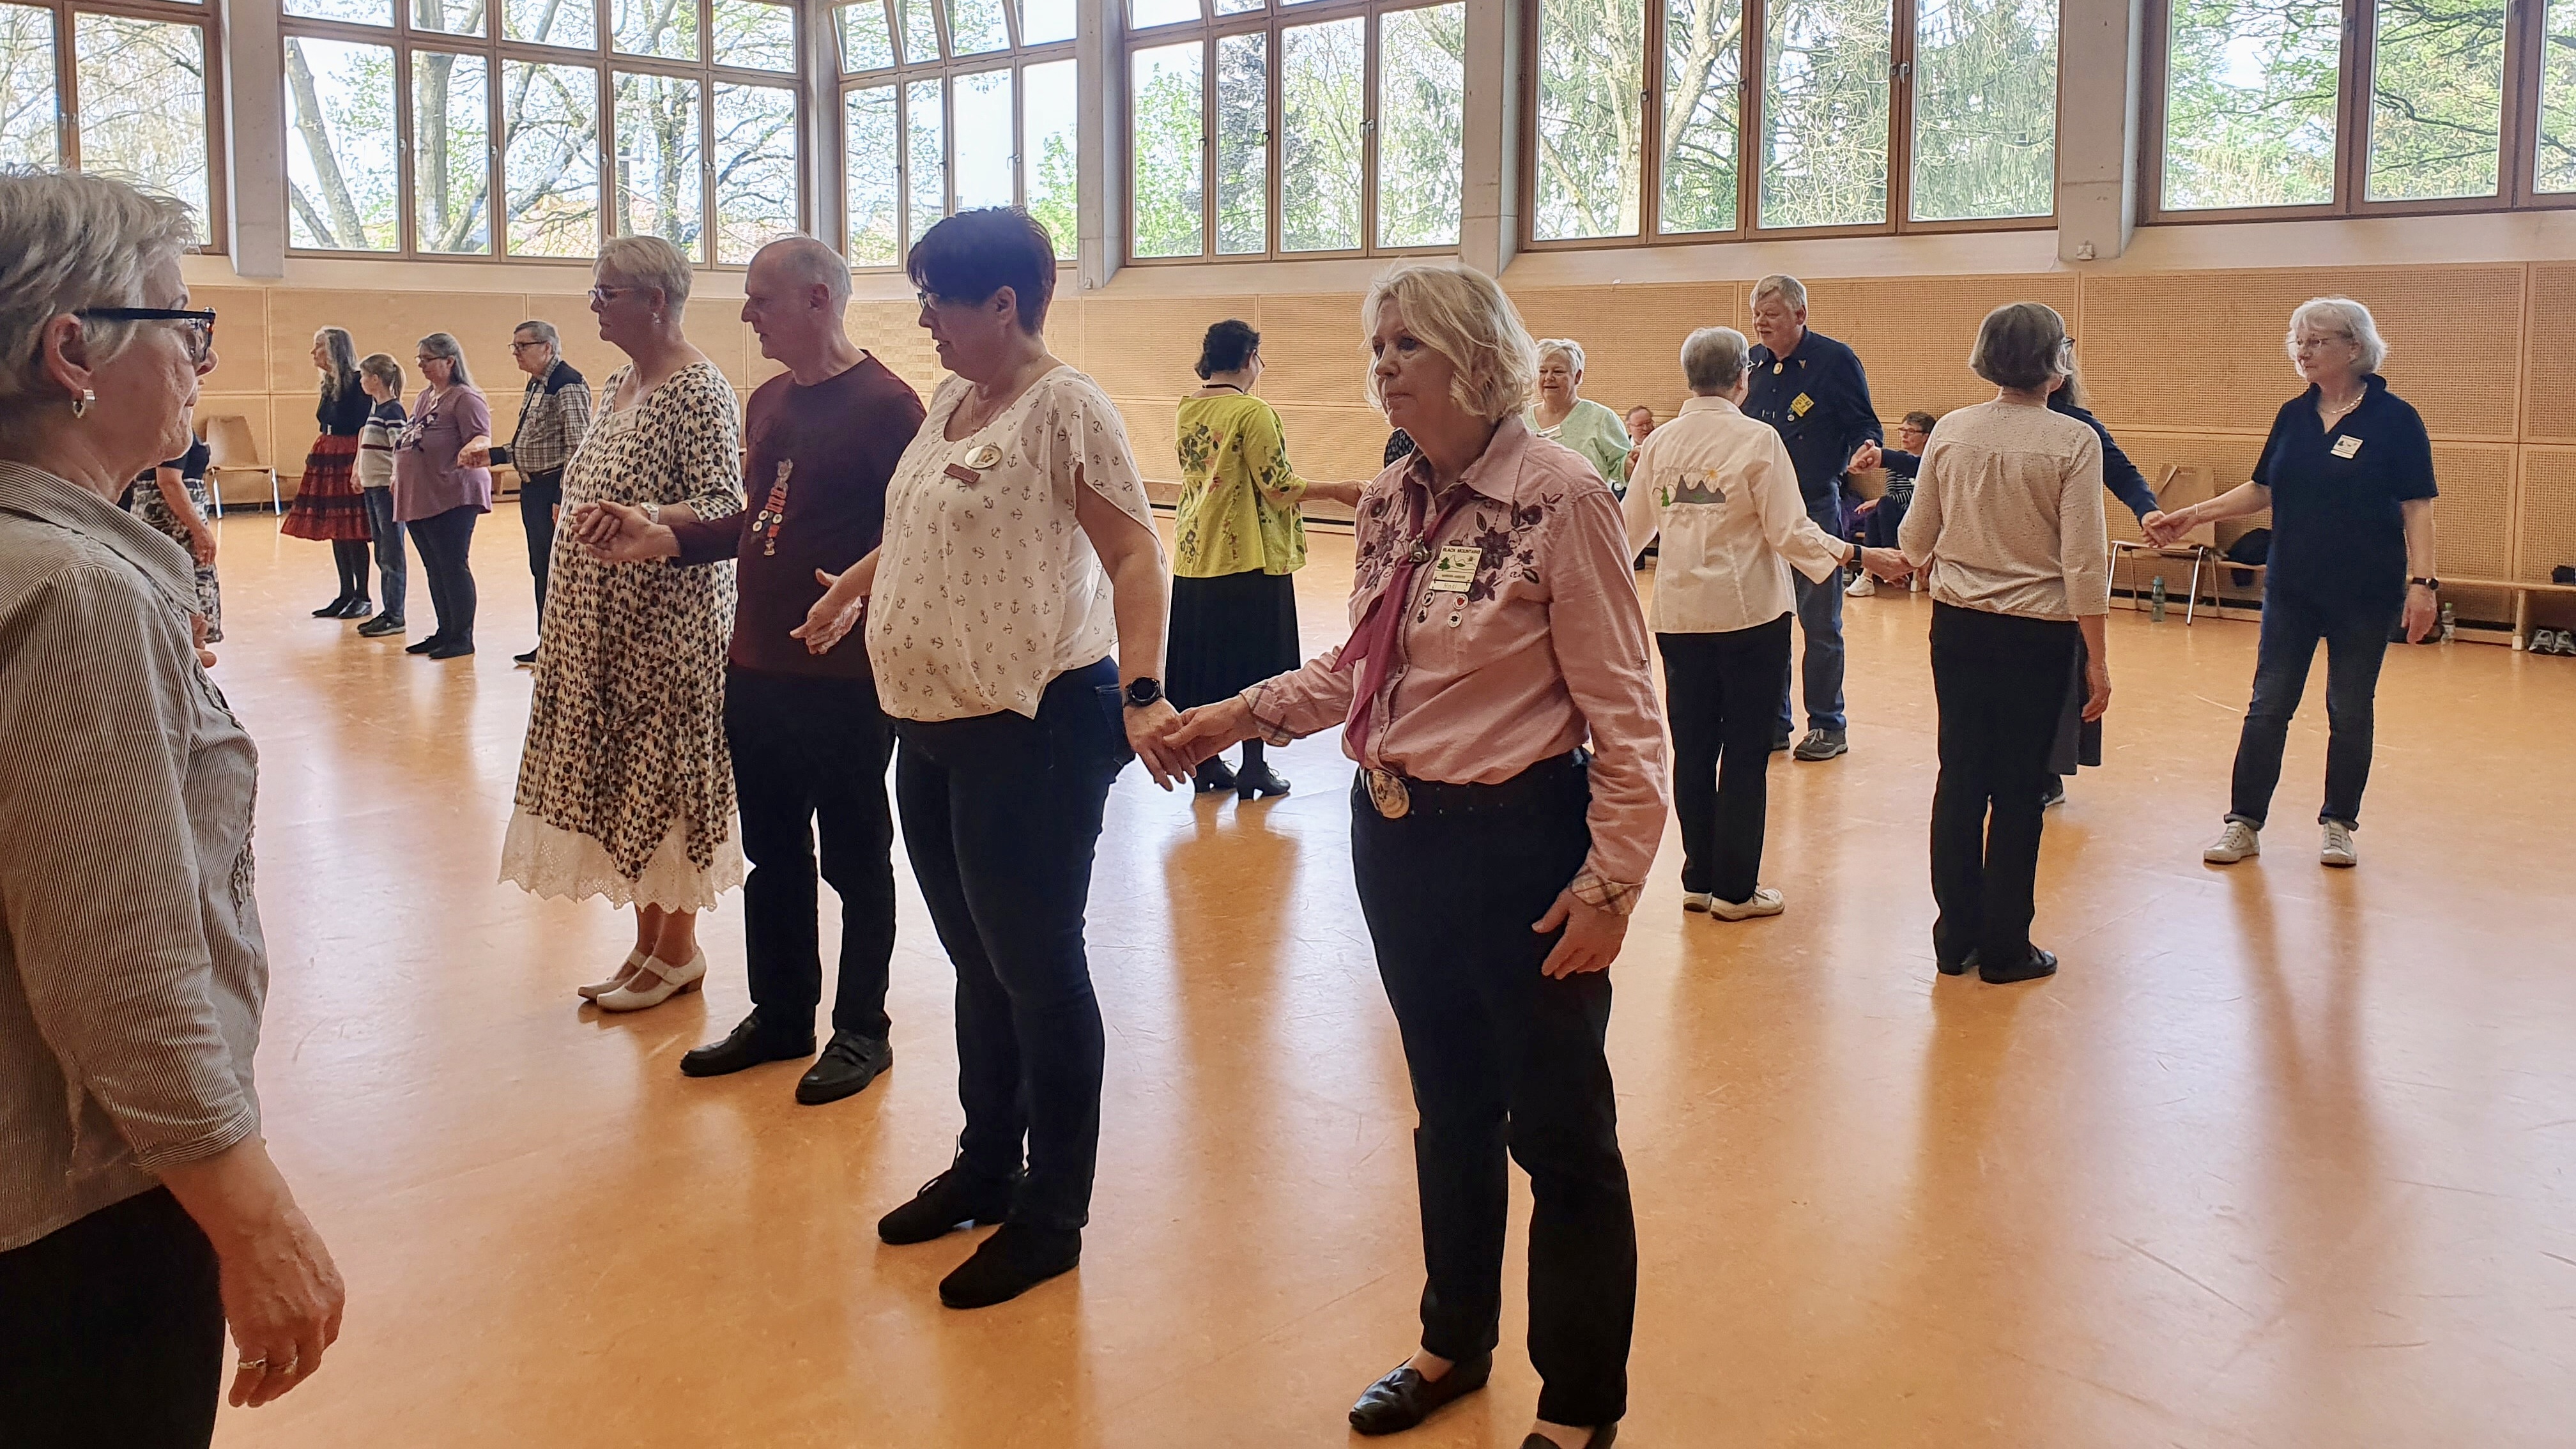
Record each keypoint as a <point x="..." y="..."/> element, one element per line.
<point x="652" y="512"/>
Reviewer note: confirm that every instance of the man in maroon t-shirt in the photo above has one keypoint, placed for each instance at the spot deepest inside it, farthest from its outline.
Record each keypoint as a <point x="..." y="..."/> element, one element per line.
<point x="809" y="743"/>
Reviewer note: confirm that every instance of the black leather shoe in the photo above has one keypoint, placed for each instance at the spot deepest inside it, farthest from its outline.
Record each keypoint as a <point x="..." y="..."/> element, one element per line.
<point x="1404" y="1398"/>
<point x="1264" y="782"/>
<point x="1603" y="1436"/>
<point x="356" y="609"/>
<point x="747" y="1045"/>
<point x="850" y="1061"/>
<point x="332" y="609"/>
<point x="381" y="625"/>
<point x="959" y="1197"/>
<point x="1214" y="775"/>
<point x="423" y="646"/>
<point x="453" y="649"/>
<point x="528" y="658"/>
<point x="1960" y="967"/>
<point x="2041" y="963"/>
<point x="1011" y="1262"/>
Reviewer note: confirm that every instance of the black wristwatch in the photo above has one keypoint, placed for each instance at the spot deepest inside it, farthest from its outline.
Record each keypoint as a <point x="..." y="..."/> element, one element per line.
<point x="2434" y="584"/>
<point x="1143" y="692"/>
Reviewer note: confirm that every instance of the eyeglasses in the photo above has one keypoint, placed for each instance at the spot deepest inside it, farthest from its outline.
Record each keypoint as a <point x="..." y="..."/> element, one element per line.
<point x="606" y="295"/>
<point x="200" y="330"/>
<point x="524" y="346"/>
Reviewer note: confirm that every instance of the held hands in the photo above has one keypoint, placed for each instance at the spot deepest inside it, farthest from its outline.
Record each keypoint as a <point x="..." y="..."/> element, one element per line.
<point x="1887" y="563"/>
<point x="2164" y="530"/>
<point x="478" y="456"/>
<point x="2423" y="613"/>
<point x="1867" y="458"/>
<point x="1149" y="734"/>
<point x="620" y="533"/>
<point x="1192" y="737"/>
<point x="827" y="623"/>
<point x="1591" y="940"/>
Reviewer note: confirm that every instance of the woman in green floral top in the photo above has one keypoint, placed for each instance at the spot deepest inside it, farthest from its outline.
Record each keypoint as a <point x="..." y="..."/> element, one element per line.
<point x="1563" y="414"/>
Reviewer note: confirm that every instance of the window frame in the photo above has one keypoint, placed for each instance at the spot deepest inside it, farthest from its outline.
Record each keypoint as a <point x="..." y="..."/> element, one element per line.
<point x="2526" y="29"/>
<point x="1904" y="26"/>
<point x="207" y="17"/>
<point x="606" y="63"/>
<point x="1272" y="19"/>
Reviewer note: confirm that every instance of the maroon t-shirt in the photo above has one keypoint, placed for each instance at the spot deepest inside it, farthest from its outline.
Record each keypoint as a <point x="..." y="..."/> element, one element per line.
<point x="816" y="461"/>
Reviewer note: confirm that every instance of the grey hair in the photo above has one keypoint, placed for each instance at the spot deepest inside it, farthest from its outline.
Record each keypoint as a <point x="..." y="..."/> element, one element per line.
<point x="545" y="332"/>
<point x="2021" y="345"/>
<point x="443" y="345"/>
<point x="816" y="265"/>
<point x="648" y="261"/>
<point x="70" y="240"/>
<point x="1713" y="359"/>
<point x="1791" y="292"/>
<point x="1565" y="347"/>
<point x="2342" y="316"/>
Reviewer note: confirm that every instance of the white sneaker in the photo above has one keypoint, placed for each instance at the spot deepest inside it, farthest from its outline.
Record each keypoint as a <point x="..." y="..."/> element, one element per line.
<point x="1863" y="587"/>
<point x="2337" y="850"/>
<point x="1765" y="902"/>
<point x="1696" y="900"/>
<point x="2237" y="842"/>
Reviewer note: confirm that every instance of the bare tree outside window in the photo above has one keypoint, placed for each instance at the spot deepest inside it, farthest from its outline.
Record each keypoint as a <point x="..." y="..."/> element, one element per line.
<point x="925" y="149"/>
<point x="873" y="180"/>
<point x="665" y="28"/>
<point x="1049" y="110"/>
<point x="2436" y="99"/>
<point x="448" y="17"/>
<point x="142" y="86"/>
<point x="550" y="158"/>
<point x="661" y="172"/>
<point x="983" y="175"/>
<point x="551" y="22"/>
<point x="754" y="34"/>
<point x="2554" y="160"/>
<point x="28" y="135"/>
<point x="2250" y="113"/>
<point x="755" y="169"/>
<point x="452" y="152"/>
<point x="341" y="192"/>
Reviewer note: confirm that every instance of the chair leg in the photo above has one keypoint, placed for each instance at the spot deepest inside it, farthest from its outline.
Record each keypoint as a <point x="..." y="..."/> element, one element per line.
<point x="2193" y="606"/>
<point x="274" y="506"/>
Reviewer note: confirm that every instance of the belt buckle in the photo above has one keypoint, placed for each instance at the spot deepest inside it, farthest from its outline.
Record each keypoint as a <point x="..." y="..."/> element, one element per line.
<point x="1387" y="793"/>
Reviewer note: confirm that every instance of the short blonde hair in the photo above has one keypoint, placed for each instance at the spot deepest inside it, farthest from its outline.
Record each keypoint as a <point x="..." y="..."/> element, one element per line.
<point x="1463" y="316"/>
<point x="1791" y="292"/>
<point x="2343" y="316"/>
<point x="1565" y="347"/>
<point x="648" y="261"/>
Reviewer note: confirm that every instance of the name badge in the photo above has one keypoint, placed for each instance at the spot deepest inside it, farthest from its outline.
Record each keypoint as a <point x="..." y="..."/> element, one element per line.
<point x="1798" y="405"/>
<point x="1455" y="569"/>
<point x="963" y="474"/>
<point x="2346" y="446"/>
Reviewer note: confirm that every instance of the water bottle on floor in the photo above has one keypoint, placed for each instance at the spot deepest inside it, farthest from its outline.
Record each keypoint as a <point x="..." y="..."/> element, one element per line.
<point x="2156" y="601"/>
<point x="2450" y="623"/>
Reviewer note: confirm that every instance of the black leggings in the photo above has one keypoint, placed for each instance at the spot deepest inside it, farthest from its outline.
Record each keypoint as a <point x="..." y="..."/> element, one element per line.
<point x="351" y="556"/>
<point x="446" y="541"/>
<point x="112" y="1332"/>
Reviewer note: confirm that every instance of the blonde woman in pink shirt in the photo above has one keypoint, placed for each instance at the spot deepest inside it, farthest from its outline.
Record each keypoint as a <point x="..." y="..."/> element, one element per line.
<point x="1496" y="634"/>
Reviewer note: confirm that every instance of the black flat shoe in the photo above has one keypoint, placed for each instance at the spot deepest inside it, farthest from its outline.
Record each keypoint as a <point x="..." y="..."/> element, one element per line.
<point x="2041" y="963"/>
<point x="1214" y="775"/>
<point x="1960" y="967"/>
<point x="1603" y="1436"/>
<point x="1011" y="1262"/>
<point x="453" y="649"/>
<point x="849" y="1063"/>
<point x="423" y="646"/>
<point x="954" y="1199"/>
<point x="356" y="609"/>
<point x="747" y="1045"/>
<point x="332" y="609"/>
<point x="1404" y="1398"/>
<point x="381" y="625"/>
<point x="1262" y="781"/>
<point x="528" y="658"/>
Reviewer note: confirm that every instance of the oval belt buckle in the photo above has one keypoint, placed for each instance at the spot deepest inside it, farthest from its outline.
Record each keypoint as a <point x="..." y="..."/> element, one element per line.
<point x="1387" y="793"/>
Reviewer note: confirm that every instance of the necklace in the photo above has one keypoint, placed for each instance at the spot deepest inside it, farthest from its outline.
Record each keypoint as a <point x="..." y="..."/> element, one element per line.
<point x="1229" y="387"/>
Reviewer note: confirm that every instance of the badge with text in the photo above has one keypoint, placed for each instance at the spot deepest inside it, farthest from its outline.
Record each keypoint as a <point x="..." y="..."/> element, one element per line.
<point x="2346" y="446"/>
<point x="1798" y="405"/>
<point x="1455" y="569"/>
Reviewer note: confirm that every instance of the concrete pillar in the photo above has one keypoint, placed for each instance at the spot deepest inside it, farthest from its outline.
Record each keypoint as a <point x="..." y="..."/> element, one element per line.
<point x="2098" y="76"/>
<point x="1490" y="205"/>
<point x="254" y="106"/>
<point x="1100" y="161"/>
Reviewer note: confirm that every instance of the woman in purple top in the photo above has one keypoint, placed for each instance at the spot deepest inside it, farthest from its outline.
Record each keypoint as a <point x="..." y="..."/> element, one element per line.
<point x="438" y="499"/>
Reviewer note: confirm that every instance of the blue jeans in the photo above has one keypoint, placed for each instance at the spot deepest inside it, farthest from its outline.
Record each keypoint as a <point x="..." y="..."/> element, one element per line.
<point x="393" y="572"/>
<point x="1820" y="619"/>
<point x="2356" y="640"/>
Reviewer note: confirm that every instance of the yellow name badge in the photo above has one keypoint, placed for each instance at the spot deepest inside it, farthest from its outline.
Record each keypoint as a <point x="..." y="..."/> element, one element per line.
<point x="1455" y="569"/>
<point x="2346" y="446"/>
<point x="1798" y="405"/>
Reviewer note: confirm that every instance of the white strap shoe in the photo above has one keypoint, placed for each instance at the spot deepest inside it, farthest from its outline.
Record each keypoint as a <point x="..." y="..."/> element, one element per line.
<point x="598" y="989"/>
<point x="668" y="981"/>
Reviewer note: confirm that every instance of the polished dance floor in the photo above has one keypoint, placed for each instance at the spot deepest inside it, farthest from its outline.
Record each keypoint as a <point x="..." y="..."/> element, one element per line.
<point x="2282" y="1157"/>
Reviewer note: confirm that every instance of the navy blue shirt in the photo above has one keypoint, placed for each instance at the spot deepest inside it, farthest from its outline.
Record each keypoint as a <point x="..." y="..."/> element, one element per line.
<point x="1818" y="398"/>
<point x="2338" y="537"/>
<point x="2118" y="474"/>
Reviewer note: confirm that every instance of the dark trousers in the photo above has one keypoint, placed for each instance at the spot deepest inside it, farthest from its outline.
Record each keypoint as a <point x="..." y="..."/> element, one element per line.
<point x="1723" y="694"/>
<point x="2356" y="640"/>
<point x="349" y="556"/>
<point x="1878" y="530"/>
<point x="1999" y="679"/>
<point x="809" y="751"/>
<point x="1505" y="1061"/>
<point x="393" y="571"/>
<point x="1820" y="619"/>
<point x="446" y="542"/>
<point x="539" y="495"/>
<point x="1000" y="816"/>
<point x="112" y="1332"/>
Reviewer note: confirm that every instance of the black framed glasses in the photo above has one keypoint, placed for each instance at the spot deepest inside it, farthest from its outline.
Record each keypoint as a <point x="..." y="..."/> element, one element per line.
<point x="200" y="324"/>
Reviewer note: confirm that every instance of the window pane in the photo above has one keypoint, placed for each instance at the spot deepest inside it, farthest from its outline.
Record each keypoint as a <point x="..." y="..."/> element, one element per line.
<point x="1048" y="106"/>
<point x="755" y="148"/>
<point x="28" y="135"/>
<point x="667" y="28"/>
<point x="874" y="179"/>
<point x="551" y="22"/>
<point x="660" y="170"/>
<point x="448" y="17"/>
<point x="143" y="103"/>
<point x="451" y="162"/>
<point x="1421" y="97"/>
<point x="1144" y="13"/>
<point x="755" y="34"/>
<point x="2250" y="103"/>
<point x="2555" y="162"/>
<point x="977" y="27"/>
<point x="984" y="139"/>
<point x="1985" y="108"/>
<point x="1591" y="67"/>
<point x="1170" y="142"/>
<point x="1703" y="79"/>
<point x="340" y="174"/>
<point x="1239" y="7"/>
<point x="925" y="156"/>
<point x="1243" y="143"/>
<point x="2436" y="99"/>
<point x="920" y="31"/>
<point x="1043" y="21"/>
<point x="866" y="43"/>
<point x="1824" y="112"/>
<point x="550" y="158"/>
<point x="1322" y="79"/>
<point x="355" y="12"/>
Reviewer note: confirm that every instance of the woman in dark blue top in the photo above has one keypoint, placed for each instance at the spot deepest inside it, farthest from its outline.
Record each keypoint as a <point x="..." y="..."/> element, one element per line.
<point x="2348" y="475"/>
<point x="2079" y="740"/>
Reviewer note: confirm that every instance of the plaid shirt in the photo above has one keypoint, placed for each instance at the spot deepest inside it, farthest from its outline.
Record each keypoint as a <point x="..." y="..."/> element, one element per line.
<point x="554" y="416"/>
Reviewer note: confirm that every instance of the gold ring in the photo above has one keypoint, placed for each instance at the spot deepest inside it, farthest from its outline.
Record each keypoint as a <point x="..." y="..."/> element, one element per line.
<point x="252" y="1363"/>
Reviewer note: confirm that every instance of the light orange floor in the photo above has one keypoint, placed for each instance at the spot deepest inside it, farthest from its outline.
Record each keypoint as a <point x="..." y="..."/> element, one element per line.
<point x="2282" y="1157"/>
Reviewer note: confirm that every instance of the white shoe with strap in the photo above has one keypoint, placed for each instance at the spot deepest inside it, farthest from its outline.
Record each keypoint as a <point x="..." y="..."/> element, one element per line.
<point x="597" y="989"/>
<point x="668" y="981"/>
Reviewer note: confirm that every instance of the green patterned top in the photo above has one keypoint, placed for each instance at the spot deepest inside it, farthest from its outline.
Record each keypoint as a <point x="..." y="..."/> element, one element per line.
<point x="1238" y="509"/>
<point x="1599" y="434"/>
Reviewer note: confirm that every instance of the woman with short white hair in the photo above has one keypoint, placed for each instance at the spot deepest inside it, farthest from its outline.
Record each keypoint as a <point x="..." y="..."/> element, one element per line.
<point x="2348" y="476"/>
<point x="140" y="1212"/>
<point x="1496" y="633"/>
<point x="1561" y="413"/>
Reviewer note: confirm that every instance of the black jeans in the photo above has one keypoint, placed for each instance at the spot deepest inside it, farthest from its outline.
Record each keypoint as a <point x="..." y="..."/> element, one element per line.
<point x="1722" y="694"/>
<point x="2356" y="640"/>
<point x="1999" y="680"/>
<point x="1504" y="1060"/>
<point x="539" y="495"/>
<point x="1820" y="620"/>
<point x="446" y="543"/>
<point x="808" y="751"/>
<point x="1000" y="816"/>
<point x="112" y="1332"/>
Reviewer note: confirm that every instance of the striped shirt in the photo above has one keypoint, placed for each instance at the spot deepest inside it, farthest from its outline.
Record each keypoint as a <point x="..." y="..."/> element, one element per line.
<point x="132" y="971"/>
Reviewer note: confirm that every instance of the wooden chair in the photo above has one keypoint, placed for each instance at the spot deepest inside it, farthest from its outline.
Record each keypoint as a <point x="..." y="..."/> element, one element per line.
<point x="231" y="449"/>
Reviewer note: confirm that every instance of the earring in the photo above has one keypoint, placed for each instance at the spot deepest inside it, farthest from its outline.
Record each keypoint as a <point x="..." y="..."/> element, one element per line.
<point x="80" y="405"/>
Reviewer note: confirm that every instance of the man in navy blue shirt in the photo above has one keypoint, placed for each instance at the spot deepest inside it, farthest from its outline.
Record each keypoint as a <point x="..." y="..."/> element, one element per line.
<point x="1813" y="390"/>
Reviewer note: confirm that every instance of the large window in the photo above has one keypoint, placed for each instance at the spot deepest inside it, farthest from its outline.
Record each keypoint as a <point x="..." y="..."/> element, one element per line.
<point x="949" y="105"/>
<point x="1658" y="119"/>
<point x="2335" y="107"/>
<point x="438" y="128"/>
<point x="120" y="89"/>
<point x="1282" y="128"/>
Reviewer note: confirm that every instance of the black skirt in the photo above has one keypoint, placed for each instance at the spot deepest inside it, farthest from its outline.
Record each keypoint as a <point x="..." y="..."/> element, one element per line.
<point x="1229" y="633"/>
